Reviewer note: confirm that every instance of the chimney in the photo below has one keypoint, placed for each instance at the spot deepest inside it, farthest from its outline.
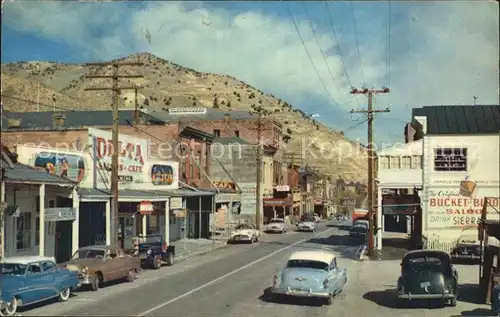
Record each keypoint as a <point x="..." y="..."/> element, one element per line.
<point x="58" y="119"/>
<point x="13" y="123"/>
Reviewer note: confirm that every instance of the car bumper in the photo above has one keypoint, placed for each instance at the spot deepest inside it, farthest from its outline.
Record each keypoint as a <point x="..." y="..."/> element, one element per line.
<point x="426" y="296"/>
<point x="3" y="305"/>
<point x="465" y="256"/>
<point x="299" y="293"/>
<point x="84" y="280"/>
<point x="305" y="229"/>
<point x="241" y="238"/>
<point x="275" y="229"/>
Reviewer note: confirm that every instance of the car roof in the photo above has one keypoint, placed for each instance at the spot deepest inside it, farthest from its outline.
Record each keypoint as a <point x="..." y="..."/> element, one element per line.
<point x="424" y="252"/>
<point x="26" y="259"/>
<point x="320" y="256"/>
<point x="98" y="247"/>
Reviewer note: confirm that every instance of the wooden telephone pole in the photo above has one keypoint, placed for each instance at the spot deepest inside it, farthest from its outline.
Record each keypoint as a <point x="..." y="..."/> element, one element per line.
<point x="114" y="160"/>
<point x="258" y="190"/>
<point x="370" y="111"/>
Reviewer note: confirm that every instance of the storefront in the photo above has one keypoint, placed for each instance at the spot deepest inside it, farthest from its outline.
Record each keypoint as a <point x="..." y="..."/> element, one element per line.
<point x="278" y="208"/>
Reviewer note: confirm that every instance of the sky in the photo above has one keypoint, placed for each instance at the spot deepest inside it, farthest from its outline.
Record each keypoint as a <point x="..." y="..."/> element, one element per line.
<point x="309" y="53"/>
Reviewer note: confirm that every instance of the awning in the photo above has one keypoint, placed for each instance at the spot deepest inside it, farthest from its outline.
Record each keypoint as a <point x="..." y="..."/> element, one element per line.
<point x="278" y="202"/>
<point x="91" y="194"/>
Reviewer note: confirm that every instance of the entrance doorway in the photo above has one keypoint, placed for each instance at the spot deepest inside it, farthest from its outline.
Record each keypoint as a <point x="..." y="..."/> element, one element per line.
<point x="126" y="230"/>
<point x="64" y="233"/>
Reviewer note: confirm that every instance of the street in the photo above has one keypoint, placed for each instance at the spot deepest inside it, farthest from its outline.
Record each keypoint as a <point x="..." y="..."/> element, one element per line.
<point x="231" y="282"/>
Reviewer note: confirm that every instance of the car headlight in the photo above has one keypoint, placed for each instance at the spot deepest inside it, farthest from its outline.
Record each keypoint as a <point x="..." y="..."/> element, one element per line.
<point x="149" y="251"/>
<point x="85" y="270"/>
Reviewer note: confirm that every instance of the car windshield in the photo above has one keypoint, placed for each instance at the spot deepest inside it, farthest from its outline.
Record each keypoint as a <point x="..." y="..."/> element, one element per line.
<point x="13" y="269"/>
<point x="307" y="264"/>
<point x="358" y="228"/>
<point x="89" y="254"/>
<point x="277" y="221"/>
<point x="425" y="264"/>
<point x="244" y="226"/>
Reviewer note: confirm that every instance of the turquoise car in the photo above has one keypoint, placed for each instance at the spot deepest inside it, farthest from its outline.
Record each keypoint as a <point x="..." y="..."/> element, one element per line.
<point x="310" y="274"/>
<point x="28" y="280"/>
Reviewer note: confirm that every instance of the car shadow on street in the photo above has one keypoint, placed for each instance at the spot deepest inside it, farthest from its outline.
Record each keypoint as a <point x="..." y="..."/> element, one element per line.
<point x="47" y="302"/>
<point x="475" y="312"/>
<point x="469" y="293"/>
<point x="389" y="299"/>
<point x="267" y="297"/>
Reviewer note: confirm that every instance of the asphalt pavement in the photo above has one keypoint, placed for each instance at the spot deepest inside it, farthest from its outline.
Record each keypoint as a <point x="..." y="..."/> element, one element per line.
<point x="232" y="280"/>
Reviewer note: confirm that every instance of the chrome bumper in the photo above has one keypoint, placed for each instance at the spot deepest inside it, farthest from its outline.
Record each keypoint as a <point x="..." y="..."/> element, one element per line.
<point x="84" y="280"/>
<point x="425" y="296"/>
<point x="463" y="256"/>
<point x="241" y="238"/>
<point x="299" y="293"/>
<point x="2" y="305"/>
<point x="275" y="229"/>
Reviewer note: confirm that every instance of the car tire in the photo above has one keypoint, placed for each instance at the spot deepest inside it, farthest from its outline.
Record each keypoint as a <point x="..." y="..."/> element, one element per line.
<point x="329" y="300"/>
<point x="64" y="294"/>
<point x="453" y="302"/>
<point x="11" y="308"/>
<point x="257" y="239"/>
<point x="157" y="262"/>
<point x="131" y="276"/>
<point x="170" y="259"/>
<point x="94" y="285"/>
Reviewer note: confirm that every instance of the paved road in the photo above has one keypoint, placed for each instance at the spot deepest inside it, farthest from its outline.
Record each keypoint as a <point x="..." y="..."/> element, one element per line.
<point x="231" y="281"/>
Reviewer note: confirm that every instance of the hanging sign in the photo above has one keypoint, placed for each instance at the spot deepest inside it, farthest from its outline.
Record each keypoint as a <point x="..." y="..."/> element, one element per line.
<point x="176" y="203"/>
<point x="145" y="207"/>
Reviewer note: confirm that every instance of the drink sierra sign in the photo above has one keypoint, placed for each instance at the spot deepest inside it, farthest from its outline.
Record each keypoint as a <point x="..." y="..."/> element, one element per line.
<point x="446" y="209"/>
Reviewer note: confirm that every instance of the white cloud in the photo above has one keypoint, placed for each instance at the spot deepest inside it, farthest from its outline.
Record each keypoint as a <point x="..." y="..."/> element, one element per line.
<point x="443" y="53"/>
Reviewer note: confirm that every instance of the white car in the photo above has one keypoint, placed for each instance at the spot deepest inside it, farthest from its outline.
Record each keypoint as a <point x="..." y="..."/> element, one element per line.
<point x="277" y="225"/>
<point x="245" y="232"/>
<point x="306" y="226"/>
<point x="317" y="218"/>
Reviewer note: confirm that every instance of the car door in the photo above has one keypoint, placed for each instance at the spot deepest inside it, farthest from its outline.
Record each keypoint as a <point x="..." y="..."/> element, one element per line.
<point x="112" y="266"/>
<point x="34" y="288"/>
<point x="335" y="276"/>
<point x="123" y="263"/>
<point x="52" y="277"/>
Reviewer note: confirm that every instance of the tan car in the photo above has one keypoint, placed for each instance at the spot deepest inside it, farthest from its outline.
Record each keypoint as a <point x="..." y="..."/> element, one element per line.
<point x="103" y="263"/>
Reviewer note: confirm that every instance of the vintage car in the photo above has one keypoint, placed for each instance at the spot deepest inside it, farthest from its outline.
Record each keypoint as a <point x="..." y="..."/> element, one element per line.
<point x="276" y="225"/>
<point x="361" y="222"/>
<point x="103" y="263"/>
<point x="306" y="226"/>
<point x="317" y="218"/>
<point x="358" y="230"/>
<point x="468" y="248"/>
<point x="153" y="251"/>
<point x="20" y="282"/>
<point x="495" y="300"/>
<point x="245" y="232"/>
<point x="311" y="274"/>
<point x="427" y="274"/>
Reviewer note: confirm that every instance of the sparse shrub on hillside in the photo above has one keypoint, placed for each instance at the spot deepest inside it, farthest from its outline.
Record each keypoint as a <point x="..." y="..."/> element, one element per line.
<point x="234" y="93"/>
<point x="179" y="81"/>
<point x="194" y="103"/>
<point x="289" y="131"/>
<point x="251" y="96"/>
<point x="317" y="127"/>
<point x="209" y="88"/>
<point x="146" y="102"/>
<point x="285" y="122"/>
<point x="194" y="98"/>
<point x="158" y="82"/>
<point x="286" y="138"/>
<point x="277" y="110"/>
<point x="216" y="102"/>
<point x="225" y="83"/>
<point x="229" y="104"/>
<point x="279" y="101"/>
<point x="222" y="102"/>
<point x="170" y="98"/>
<point x="239" y="100"/>
<point x="260" y="101"/>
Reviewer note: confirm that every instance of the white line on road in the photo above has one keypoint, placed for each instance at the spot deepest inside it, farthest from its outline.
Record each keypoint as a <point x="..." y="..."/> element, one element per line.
<point x="194" y="290"/>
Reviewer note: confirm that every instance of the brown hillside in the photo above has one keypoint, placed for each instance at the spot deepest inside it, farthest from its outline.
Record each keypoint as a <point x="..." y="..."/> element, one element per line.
<point x="167" y="84"/>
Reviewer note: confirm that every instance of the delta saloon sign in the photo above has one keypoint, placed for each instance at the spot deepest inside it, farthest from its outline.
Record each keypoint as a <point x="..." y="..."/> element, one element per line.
<point x="131" y="158"/>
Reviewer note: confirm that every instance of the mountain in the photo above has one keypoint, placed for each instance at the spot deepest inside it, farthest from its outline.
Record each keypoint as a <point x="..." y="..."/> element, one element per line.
<point x="165" y="84"/>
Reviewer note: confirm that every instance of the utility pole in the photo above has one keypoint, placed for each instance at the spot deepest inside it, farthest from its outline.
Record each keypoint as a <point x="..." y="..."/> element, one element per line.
<point x="115" y="133"/>
<point x="324" y="195"/>
<point x="370" y="111"/>
<point x="136" y="112"/>
<point x="258" y="190"/>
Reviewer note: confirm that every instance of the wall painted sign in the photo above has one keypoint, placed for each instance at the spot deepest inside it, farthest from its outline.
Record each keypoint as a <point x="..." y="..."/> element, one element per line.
<point x="131" y="159"/>
<point x="75" y="166"/>
<point x="248" y="198"/>
<point x="446" y="208"/>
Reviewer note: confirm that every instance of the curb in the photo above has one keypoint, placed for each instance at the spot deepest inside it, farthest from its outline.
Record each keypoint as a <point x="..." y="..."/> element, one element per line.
<point x="186" y="255"/>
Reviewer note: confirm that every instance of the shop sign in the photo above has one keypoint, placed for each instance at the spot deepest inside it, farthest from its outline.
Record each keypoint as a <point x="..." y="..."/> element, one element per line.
<point x="283" y="188"/>
<point x="131" y="159"/>
<point x="145" y="208"/>
<point x="225" y="185"/>
<point x="60" y="214"/>
<point x="273" y="202"/>
<point x="449" y="209"/>
<point x="180" y="213"/>
<point x="176" y="203"/>
<point x="248" y="198"/>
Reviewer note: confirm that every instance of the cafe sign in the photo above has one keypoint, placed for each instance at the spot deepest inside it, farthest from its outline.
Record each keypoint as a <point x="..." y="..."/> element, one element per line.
<point x="60" y="214"/>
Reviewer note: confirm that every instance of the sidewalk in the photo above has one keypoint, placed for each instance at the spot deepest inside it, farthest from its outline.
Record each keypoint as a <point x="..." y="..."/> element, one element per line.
<point x="185" y="248"/>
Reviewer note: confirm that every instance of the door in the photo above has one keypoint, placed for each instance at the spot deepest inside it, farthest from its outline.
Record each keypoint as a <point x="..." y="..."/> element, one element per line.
<point x="63" y="241"/>
<point x="51" y="278"/>
<point x="113" y="266"/>
<point x="35" y="286"/>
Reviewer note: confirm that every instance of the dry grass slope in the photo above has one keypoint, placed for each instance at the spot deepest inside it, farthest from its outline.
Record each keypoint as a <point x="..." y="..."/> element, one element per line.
<point x="167" y="84"/>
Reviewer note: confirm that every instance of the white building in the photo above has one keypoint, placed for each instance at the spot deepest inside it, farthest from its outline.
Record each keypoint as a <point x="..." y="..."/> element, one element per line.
<point x="459" y="142"/>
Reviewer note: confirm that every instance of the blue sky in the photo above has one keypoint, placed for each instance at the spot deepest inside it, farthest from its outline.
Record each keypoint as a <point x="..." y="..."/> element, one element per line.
<point x="437" y="52"/>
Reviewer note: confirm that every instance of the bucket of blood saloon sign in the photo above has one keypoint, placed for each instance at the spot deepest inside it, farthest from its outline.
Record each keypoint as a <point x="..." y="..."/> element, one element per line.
<point x="447" y="208"/>
<point x="131" y="159"/>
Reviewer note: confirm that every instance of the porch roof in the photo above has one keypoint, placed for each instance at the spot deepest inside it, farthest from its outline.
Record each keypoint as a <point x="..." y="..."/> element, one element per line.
<point x="139" y="195"/>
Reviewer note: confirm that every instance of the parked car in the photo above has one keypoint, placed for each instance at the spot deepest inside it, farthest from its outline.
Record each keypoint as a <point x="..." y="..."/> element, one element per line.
<point x="468" y="248"/>
<point x="20" y="279"/>
<point x="308" y="217"/>
<point x="361" y="222"/>
<point x="495" y="300"/>
<point x="317" y="218"/>
<point x="312" y="274"/>
<point x="245" y="232"/>
<point x="358" y="230"/>
<point x="428" y="274"/>
<point x="103" y="263"/>
<point x="306" y="226"/>
<point x="276" y="225"/>
<point x="153" y="251"/>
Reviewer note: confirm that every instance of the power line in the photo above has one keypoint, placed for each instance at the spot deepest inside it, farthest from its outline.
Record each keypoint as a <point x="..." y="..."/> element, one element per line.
<point x="319" y="45"/>
<point x="357" y="42"/>
<point x="309" y="55"/>
<point x="388" y="44"/>
<point x="35" y="103"/>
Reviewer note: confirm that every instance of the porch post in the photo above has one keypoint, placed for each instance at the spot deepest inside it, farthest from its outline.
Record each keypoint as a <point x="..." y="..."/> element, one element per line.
<point x="380" y="222"/>
<point x="144" y="225"/>
<point x="41" y="244"/>
<point x="199" y="217"/>
<point x="274" y="212"/>
<point x="167" y="222"/>
<point x="75" y="236"/>
<point x="108" y="222"/>
<point x="2" y="222"/>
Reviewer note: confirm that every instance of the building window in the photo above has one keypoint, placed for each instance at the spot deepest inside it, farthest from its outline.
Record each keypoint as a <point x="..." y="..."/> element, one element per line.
<point x="384" y="162"/>
<point x="395" y="162"/>
<point x="406" y="162"/>
<point x="450" y="159"/>
<point x="237" y="133"/>
<point x="416" y="162"/>
<point x="23" y="238"/>
<point x="217" y="133"/>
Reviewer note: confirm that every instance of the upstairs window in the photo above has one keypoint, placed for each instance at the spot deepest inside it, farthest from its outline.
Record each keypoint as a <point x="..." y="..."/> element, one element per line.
<point x="384" y="162"/>
<point x="416" y="162"/>
<point x="450" y="160"/>
<point x="217" y="133"/>
<point x="237" y="133"/>
<point x="406" y="162"/>
<point x="395" y="162"/>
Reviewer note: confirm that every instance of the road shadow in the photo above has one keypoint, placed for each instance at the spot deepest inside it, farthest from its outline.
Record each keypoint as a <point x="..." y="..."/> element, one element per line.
<point x="267" y="297"/>
<point x="475" y="312"/>
<point x="469" y="293"/>
<point x="388" y="298"/>
<point x="344" y="245"/>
